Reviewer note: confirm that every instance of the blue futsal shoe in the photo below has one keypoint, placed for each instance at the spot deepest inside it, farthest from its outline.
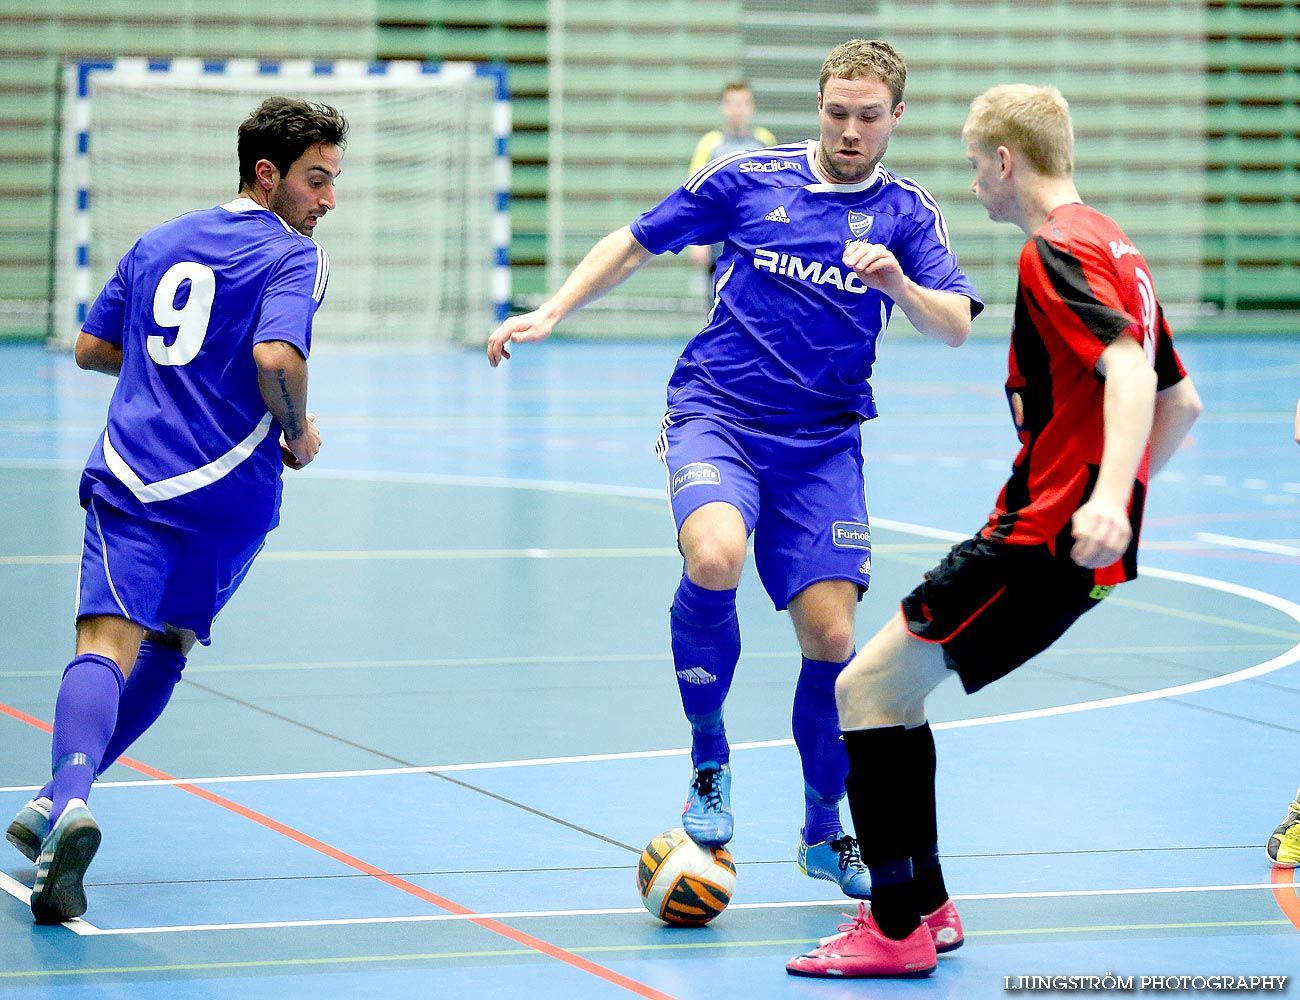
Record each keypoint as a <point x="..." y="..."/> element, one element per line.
<point x="836" y="860"/>
<point x="706" y="816"/>
<point x="30" y="827"/>
<point x="59" y="894"/>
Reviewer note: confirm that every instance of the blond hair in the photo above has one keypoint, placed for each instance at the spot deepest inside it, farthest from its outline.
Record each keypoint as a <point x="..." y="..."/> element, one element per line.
<point x="1033" y="120"/>
<point x="866" y="58"/>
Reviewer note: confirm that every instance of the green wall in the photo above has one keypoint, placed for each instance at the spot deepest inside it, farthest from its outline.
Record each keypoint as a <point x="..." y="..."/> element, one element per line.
<point x="644" y="76"/>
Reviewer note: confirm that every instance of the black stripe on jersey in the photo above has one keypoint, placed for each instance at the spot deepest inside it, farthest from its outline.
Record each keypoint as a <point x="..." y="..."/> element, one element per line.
<point x="1167" y="372"/>
<point x="1136" y="508"/>
<point x="1033" y="366"/>
<point x="1070" y="282"/>
<point x="1065" y="539"/>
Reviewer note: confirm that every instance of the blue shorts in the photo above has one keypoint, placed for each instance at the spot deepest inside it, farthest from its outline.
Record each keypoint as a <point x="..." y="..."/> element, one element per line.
<point x="801" y="494"/>
<point x="157" y="575"/>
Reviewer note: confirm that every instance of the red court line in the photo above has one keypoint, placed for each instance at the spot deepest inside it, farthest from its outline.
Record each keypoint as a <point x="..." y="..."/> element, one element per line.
<point x="23" y="717"/>
<point x="1284" y="891"/>
<point x="366" y="868"/>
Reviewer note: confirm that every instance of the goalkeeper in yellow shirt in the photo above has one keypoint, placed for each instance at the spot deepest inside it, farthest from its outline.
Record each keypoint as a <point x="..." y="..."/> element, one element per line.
<point x="738" y="135"/>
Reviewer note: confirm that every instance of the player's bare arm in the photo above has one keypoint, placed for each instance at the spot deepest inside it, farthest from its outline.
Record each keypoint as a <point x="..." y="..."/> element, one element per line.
<point x="607" y="265"/>
<point x="1177" y="408"/>
<point x="282" y="377"/>
<point x="95" y="355"/>
<point x="940" y="315"/>
<point x="1101" y="527"/>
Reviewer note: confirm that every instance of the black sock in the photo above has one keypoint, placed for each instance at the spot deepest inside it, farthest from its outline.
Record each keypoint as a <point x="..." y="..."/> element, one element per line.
<point x="887" y="786"/>
<point x="931" y="893"/>
<point x="894" y="907"/>
<point x="927" y="875"/>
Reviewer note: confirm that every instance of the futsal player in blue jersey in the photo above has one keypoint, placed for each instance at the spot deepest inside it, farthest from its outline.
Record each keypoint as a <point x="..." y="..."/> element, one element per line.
<point x="820" y="243"/>
<point x="206" y="324"/>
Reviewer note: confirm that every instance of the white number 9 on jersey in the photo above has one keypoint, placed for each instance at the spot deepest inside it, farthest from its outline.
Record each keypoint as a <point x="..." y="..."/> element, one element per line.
<point x="190" y="320"/>
<point x="1149" y="315"/>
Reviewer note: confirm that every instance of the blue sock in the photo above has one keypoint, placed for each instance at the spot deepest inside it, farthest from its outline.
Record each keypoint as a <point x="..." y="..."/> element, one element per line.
<point x="155" y="675"/>
<point x="816" y="725"/>
<point x="84" y="715"/>
<point x="706" y="647"/>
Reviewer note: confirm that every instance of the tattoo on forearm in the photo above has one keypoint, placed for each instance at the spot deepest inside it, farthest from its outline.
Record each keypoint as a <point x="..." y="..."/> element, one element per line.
<point x="290" y="420"/>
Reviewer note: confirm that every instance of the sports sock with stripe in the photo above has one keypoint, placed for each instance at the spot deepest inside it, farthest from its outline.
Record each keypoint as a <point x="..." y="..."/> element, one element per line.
<point x="931" y="893"/>
<point x="706" y="647"/>
<point x="816" y="726"/>
<point x="84" y="714"/>
<point x="888" y="788"/>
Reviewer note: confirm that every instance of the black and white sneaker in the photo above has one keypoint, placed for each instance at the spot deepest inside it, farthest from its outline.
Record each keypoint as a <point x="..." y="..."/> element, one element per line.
<point x="59" y="894"/>
<point x="30" y="827"/>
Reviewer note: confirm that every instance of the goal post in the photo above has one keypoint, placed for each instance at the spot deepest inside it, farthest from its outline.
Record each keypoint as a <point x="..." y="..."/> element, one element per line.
<point x="419" y="241"/>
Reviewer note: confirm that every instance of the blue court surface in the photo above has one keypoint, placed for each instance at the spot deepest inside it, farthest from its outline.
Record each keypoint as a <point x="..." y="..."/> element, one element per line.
<point x="439" y="722"/>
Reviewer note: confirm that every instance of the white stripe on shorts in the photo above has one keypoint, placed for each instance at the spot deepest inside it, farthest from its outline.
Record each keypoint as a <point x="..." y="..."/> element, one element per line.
<point x="108" y="574"/>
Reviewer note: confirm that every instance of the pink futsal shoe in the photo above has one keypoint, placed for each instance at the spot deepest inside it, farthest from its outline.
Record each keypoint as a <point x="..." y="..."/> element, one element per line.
<point x="861" y="950"/>
<point x="945" y="926"/>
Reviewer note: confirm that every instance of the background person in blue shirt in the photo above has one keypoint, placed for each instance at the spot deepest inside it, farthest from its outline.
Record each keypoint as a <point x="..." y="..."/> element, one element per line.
<point x="206" y="324"/>
<point x="820" y="243"/>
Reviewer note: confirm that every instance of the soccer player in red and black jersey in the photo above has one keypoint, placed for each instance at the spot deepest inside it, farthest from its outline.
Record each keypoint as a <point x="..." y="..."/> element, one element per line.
<point x="1100" y="401"/>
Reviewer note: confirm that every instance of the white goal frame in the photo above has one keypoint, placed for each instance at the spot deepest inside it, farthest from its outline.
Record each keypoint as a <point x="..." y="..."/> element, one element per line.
<point x="76" y="286"/>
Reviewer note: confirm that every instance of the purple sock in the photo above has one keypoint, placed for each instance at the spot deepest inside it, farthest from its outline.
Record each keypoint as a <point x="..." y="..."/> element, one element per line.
<point x="155" y="675"/>
<point x="84" y="715"/>
<point x="706" y="647"/>
<point x="816" y="725"/>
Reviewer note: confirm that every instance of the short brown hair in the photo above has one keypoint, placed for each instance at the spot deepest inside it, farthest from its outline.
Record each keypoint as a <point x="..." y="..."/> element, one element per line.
<point x="1033" y="120"/>
<point x="863" y="58"/>
<point x="281" y="130"/>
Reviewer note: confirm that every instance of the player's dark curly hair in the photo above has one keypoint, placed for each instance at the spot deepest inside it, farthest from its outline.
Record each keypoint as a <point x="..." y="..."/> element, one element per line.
<point x="281" y="130"/>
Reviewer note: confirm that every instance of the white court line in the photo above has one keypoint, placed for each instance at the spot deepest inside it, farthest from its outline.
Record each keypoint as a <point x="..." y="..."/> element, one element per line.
<point x="1287" y="658"/>
<point x="1291" y="656"/>
<point x="15" y="888"/>
<point x="1228" y="541"/>
<point x="23" y="893"/>
<point x="80" y="926"/>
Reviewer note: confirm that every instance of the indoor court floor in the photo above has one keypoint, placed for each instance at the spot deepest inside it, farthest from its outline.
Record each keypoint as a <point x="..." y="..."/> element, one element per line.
<point x="439" y="722"/>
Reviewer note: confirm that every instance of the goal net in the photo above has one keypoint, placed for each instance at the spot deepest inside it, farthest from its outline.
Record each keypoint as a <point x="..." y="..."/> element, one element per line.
<point x="419" y="241"/>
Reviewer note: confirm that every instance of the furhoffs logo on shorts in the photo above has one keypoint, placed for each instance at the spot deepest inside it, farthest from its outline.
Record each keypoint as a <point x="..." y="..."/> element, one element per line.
<point x="851" y="535"/>
<point x="696" y="474"/>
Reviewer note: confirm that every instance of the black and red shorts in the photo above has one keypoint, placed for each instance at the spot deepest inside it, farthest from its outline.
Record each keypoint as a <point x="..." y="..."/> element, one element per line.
<point x="993" y="606"/>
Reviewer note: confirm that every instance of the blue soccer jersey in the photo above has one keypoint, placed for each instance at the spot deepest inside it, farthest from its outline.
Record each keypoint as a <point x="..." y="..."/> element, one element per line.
<point x="793" y="332"/>
<point x="189" y="440"/>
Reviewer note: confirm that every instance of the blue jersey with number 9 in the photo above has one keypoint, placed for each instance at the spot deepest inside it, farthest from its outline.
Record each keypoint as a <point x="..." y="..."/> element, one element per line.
<point x="189" y="440"/>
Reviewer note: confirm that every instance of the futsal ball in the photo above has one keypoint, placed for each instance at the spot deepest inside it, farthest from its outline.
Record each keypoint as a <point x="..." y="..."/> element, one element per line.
<point x="682" y="883"/>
